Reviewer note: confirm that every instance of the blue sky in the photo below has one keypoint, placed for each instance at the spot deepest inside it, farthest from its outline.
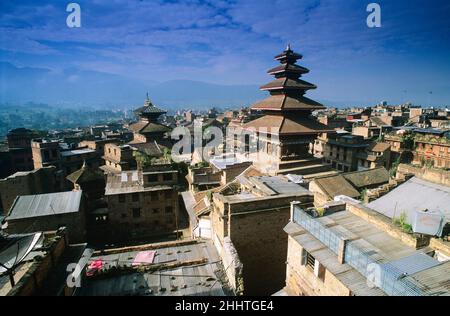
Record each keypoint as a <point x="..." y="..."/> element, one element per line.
<point x="233" y="43"/>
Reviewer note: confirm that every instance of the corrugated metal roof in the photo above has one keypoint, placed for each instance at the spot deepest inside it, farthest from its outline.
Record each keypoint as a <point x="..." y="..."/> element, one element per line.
<point x="412" y="196"/>
<point x="192" y="280"/>
<point x="27" y="206"/>
<point x="279" y="184"/>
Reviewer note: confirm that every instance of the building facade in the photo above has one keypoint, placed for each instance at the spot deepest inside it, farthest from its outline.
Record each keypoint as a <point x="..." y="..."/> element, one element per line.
<point x="432" y="148"/>
<point x="142" y="203"/>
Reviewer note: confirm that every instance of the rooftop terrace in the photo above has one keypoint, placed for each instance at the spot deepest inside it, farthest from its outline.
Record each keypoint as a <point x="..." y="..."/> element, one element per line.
<point x="364" y="248"/>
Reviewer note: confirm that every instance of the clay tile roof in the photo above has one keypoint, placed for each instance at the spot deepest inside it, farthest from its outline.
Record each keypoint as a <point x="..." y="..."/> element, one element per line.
<point x="378" y="121"/>
<point x="288" y="53"/>
<point x="202" y="205"/>
<point x="85" y="174"/>
<point x="379" y="147"/>
<point x="361" y="179"/>
<point x="284" y="102"/>
<point x="148" y="127"/>
<point x="291" y="68"/>
<point x="280" y="125"/>
<point x="152" y="149"/>
<point x="286" y="83"/>
<point x="336" y="185"/>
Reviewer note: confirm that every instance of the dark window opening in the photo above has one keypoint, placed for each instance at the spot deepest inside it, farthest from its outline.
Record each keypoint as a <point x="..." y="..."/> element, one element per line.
<point x="136" y="212"/>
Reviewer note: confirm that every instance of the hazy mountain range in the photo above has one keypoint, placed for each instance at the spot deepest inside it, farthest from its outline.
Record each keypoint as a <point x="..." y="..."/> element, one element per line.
<point x="73" y="87"/>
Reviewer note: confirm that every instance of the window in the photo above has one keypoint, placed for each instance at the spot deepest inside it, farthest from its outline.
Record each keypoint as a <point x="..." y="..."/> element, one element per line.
<point x="135" y="197"/>
<point x="155" y="210"/>
<point x="152" y="178"/>
<point x="169" y="209"/>
<point x="136" y="212"/>
<point x="310" y="261"/>
<point x="109" y="150"/>
<point x="167" y="177"/>
<point x="121" y="198"/>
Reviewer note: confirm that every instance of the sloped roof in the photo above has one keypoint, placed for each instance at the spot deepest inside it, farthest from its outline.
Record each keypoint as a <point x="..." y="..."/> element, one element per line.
<point x="85" y="174"/>
<point x="379" y="147"/>
<point x="286" y="83"/>
<point x="202" y="205"/>
<point x="361" y="179"/>
<point x="291" y="68"/>
<point x="285" y="102"/>
<point x="148" y="127"/>
<point x="152" y="149"/>
<point x="336" y="185"/>
<point x="378" y="121"/>
<point x="149" y="108"/>
<point x="288" y="53"/>
<point x="281" y="125"/>
<point x="27" y="206"/>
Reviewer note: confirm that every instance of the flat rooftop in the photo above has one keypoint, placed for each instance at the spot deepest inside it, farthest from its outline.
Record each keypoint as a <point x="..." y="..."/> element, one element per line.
<point x="191" y="268"/>
<point x="76" y="152"/>
<point x="129" y="182"/>
<point x="403" y="269"/>
<point x="222" y="162"/>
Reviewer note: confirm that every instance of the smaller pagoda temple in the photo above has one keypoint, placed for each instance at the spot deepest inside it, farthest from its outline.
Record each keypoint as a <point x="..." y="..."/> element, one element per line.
<point x="148" y="129"/>
<point x="286" y="129"/>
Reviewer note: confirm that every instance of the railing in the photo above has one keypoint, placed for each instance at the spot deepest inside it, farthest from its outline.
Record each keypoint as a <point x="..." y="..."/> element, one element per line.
<point x="365" y="261"/>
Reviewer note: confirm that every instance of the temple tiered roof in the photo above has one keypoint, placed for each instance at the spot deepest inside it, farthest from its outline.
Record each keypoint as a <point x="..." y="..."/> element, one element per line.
<point x="287" y="110"/>
<point x="148" y="120"/>
<point x="149" y="109"/>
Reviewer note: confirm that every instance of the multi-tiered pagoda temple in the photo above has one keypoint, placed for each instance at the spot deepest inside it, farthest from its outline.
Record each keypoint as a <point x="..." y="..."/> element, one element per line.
<point x="287" y="116"/>
<point x="148" y="128"/>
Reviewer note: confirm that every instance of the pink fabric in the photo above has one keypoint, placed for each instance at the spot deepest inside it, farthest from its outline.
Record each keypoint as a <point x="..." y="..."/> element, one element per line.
<point x="94" y="266"/>
<point x="144" y="257"/>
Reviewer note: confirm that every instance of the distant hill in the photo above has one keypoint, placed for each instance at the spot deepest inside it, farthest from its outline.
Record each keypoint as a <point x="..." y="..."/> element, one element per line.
<point x="73" y="88"/>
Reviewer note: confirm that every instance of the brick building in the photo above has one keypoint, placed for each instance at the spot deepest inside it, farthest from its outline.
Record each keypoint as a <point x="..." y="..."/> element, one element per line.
<point x="38" y="181"/>
<point x="432" y="147"/>
<point x="19" y="150"/>
<point x="46" y="153"/>
<point x="351" y="152"/>
<point x="44" y="212"/>
<point x="252" y="211"/>
<point x="142" y="203"/>
<point x="118" y="158"/>
<point x="350" y="250"/>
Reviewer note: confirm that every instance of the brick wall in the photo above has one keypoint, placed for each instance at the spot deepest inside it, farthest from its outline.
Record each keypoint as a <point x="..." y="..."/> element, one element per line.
<point x="255" y="228"/>
<point x="301" y="280"/>
<point x="32" y="281"/>
<point x="154" y="218"/>
<point x="40" y="181"/>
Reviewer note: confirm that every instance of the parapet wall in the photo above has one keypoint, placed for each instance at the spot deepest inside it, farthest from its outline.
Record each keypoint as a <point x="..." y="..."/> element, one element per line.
<point x="439" y="176"/>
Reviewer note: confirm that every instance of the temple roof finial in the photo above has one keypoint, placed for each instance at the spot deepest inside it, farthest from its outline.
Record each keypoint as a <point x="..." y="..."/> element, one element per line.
<point x="288" y="47"/>
<point x="148" y="102"/>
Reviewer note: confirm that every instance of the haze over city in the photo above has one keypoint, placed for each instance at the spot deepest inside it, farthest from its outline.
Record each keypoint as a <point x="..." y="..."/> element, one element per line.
<point x="216" y="53"/>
